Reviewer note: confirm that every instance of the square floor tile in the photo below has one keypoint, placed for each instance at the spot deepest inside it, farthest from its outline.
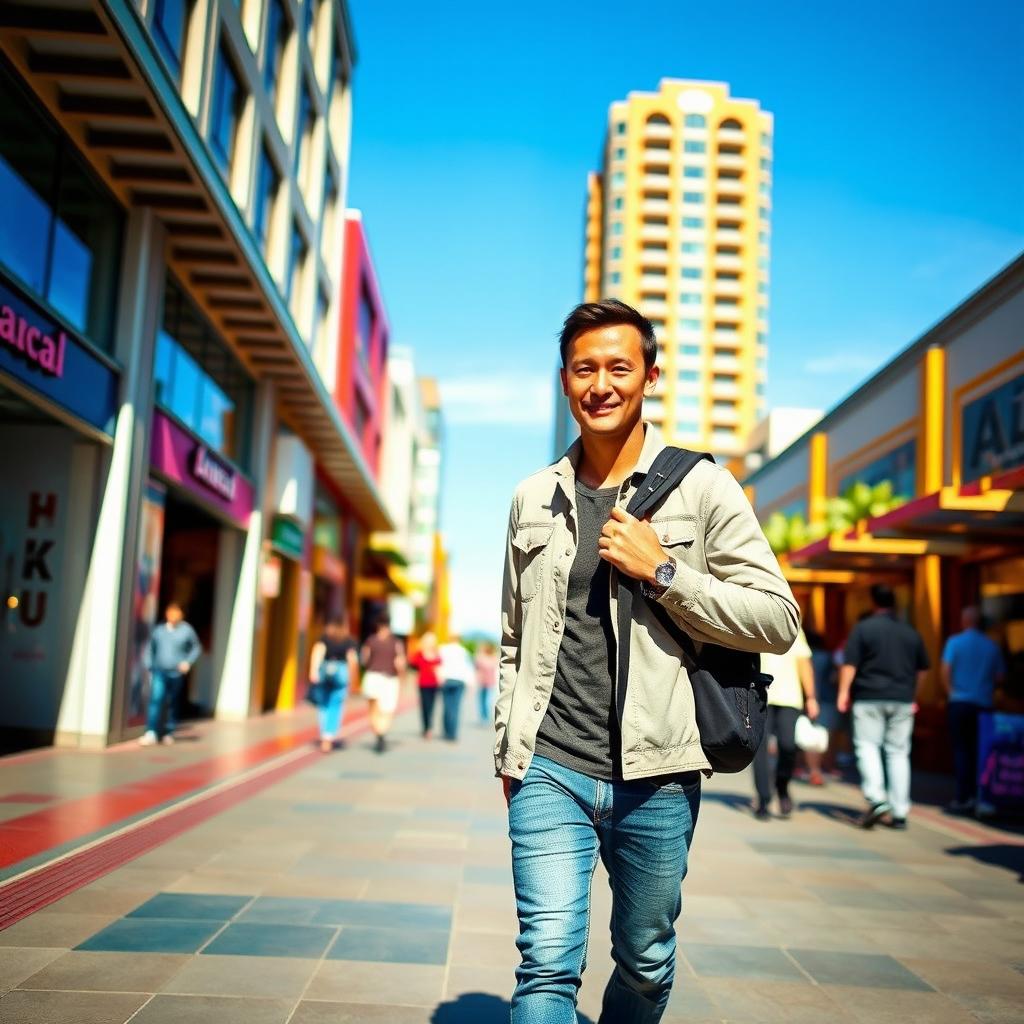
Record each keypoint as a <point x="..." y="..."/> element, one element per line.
<point x="83" y="971"/>
<point x="868" y="969"/>
<point x="152" y="935"/>
<point x="25" y="1007"/>
<point x="311" y="1012"/>
<point x="264" y="977"/>
<point x="188" y="906"/>
<point x="294" y="940"/>
<point x="54" y="930"/>
<point x="18" y="964"/>
<point x="357" y="981"/>
<point x="168" y="1009"/>
<point x="282" y="910"/>
<point x="376" y="914"/>
<point x="761" y="963"/>
<point x="390" y="945"/>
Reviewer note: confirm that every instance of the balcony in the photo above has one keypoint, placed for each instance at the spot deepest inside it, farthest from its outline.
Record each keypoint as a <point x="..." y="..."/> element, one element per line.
<point x="729" y="339"/>
<point x="655" y="206"/>
<point x="720" y="389"/>
<point x="728" y="235"/>
<point x="733" y="314"/>
<point x="655" y="258"/>
<point x="724" y="261"/>
<point x="729" y="211"/>
<point x="731" y="186"/>
<point x="720" y="362"/>
<point x="732" y="135"/>
<point x="653" y="306"/>
<point x="658" y="181"/>
<point x="724" y="418"/>
<point x="654" y="232"/>
<point x="732" y="161"/>
<point x="655" y="282"/>
<point x="657" y="131"/>
<point x="729" y="288"/>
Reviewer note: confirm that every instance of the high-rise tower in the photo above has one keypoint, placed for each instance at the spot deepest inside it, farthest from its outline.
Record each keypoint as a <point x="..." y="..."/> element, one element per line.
<point x="677" y="225"/>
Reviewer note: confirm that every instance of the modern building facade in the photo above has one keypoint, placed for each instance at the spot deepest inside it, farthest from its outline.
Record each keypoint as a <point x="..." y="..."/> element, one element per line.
<point x="917" y="479"/>
<point x="678" y="224"/>
<point x="173" y="186"/>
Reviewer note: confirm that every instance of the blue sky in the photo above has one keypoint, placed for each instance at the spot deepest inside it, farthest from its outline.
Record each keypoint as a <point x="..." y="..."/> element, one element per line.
<point x="899" y="148"/>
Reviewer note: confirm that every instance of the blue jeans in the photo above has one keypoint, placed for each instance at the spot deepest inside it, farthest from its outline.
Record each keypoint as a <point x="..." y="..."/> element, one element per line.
<point x="164" y="692"/>
<point x="451" y="704"/>
<point x="485" y="704"/>
<point x="560" y="822"/>
<point x="334" y="678"/>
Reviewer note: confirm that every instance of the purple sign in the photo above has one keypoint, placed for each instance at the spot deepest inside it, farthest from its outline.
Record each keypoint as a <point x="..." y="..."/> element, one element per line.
<point x="183" y="459"/>
<point x="1001" y="760"/>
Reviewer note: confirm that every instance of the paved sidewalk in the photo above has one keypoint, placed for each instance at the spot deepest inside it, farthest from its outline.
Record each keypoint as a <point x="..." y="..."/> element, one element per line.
<point x="376" y="888"/>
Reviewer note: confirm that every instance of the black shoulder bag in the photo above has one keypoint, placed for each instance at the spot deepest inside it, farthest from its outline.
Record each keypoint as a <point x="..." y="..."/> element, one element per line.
<point x="730" y="692"/>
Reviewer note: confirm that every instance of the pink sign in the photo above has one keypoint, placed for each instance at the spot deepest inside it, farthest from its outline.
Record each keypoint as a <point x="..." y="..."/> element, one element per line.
<point x="185" y="460"/>
<point x="33" y="342"/>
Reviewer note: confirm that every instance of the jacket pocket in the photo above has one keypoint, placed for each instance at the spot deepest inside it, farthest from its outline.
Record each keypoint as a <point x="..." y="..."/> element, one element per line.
<point x="532" y="540"/>
<point x="676" y="535"/>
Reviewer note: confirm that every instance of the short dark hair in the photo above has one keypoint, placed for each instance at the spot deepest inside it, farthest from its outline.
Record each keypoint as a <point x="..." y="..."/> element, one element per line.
<point x="882" y="595"/>
<point x="607" y="313"/>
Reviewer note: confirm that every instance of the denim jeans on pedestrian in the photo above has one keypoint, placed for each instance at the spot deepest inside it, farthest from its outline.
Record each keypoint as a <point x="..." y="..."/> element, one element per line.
<point x="486" y="705"/>
<point x="782" y="725"/>
<point x="451" y="705"/>
<point x="884" y="729"/>
<point x="164" y="693"/>
<point x="334" y="680"/>
<point x="428" y="697"/>
<point x="963" y="731"/>
<point x="560" y="822"/>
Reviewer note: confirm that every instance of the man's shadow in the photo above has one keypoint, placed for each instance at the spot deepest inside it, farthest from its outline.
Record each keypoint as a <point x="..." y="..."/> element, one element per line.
<point x="479" y="1008"/>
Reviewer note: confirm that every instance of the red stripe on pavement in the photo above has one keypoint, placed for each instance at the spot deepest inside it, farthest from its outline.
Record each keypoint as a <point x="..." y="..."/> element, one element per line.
<point x="32" y="834"/>
<point x="978" y="832"/>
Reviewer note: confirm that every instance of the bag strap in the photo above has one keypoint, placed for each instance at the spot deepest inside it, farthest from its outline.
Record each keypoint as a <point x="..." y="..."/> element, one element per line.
<point x="668" y="470"/>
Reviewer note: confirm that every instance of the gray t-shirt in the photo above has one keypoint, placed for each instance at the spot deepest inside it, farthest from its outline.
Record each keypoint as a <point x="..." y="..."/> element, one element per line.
<point x="581" y="727"/>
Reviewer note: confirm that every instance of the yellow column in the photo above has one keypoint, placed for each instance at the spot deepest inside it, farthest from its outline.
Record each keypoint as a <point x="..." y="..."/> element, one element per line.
<point x="928" y="616"/>
<point x="931" y="433"/>
<point x="817" y="478"/>
<point x="817" y="607"/>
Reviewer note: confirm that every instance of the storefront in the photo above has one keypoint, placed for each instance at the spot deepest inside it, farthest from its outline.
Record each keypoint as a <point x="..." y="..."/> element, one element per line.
<point x="917" y="480"/>
<point x="197" y="501"/>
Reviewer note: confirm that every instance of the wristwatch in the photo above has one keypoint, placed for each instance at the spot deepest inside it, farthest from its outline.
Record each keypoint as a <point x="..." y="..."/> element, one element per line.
<point x="664" y="574"/>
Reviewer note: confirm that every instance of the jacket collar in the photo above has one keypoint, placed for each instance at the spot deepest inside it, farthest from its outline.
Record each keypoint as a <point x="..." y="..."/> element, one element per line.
<point x="566" y="467"/>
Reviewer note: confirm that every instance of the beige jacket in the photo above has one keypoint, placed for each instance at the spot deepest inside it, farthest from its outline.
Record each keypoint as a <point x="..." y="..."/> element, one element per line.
<point x="728" y="589"/>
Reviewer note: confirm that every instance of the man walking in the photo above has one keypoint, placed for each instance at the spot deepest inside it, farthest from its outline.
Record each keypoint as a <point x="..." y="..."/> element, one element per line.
<point x="590" y="771"/>
<point x="972" y="666"/>
<point x="883" y="665"/>
<point x="173" y="650"/>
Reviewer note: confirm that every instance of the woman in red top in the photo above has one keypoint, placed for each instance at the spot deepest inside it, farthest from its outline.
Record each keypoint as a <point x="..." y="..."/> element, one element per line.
<point x="426" y="661"/>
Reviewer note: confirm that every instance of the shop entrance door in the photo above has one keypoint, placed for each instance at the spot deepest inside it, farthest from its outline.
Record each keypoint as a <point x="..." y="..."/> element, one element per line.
<point x="280" y="680"/>
<point x="188" y="572"/>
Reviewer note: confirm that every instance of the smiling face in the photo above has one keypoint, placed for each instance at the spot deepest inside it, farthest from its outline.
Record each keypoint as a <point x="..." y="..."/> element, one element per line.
<point x="605" y="380"/>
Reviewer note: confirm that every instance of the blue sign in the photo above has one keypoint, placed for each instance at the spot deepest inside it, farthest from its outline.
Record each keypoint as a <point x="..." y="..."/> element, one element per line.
<point x="993" y="431"/>
<point x="1001" y="760"/>
<point x="39" y="353"/>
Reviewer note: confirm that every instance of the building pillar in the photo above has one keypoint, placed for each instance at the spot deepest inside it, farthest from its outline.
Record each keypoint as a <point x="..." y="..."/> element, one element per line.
<point x="817" y="608"/>
<point x="931" y="432"/>
<point x="239" y="596"/>
<point x="928" y="617"/>
<point x="92" y="711"/>
<point x="817" y="478"/>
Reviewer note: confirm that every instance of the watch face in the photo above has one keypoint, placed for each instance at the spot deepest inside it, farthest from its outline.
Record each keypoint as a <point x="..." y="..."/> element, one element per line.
<point x="665" y="573"/>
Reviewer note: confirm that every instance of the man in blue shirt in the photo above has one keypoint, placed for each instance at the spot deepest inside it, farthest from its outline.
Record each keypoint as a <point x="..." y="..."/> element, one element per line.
<point x="972" y="666"/>
<point x="172" y="651"/>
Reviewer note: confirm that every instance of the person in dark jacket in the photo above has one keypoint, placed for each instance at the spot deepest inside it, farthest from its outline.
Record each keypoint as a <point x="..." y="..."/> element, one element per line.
<point x="172" y="651"/>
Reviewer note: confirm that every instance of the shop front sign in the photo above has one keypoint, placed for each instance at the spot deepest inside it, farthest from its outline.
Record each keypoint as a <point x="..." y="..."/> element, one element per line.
<point x="288" y="537"/>
<point x="181" y="457"/>
<point x="993" y="431"/>
<point x="1001" y="761"/>
<point x="41" y="354"/>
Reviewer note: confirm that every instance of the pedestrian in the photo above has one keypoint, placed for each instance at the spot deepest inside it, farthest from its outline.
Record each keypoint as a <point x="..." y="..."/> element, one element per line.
<point x="333" y="667"/>
<point x="384" y="664"/>
<point x="456" y="674"/>
<point x="791" y="693"/>
<point x="826" y="690"/>
<point x="972" y="667"/>
<point x="426" y="662"/>
<point x="590" y="770"/>
<point x="883" y="666"/>
<point x="486" y="663"/>
<point x="172" y="651"/>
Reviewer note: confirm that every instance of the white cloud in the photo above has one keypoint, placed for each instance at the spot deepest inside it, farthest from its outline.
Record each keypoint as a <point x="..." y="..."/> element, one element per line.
<point x="507" y="399"/>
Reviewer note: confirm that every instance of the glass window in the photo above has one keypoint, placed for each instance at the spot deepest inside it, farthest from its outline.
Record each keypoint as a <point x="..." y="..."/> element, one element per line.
<point x="308" y="19"/>
<point x="690" y="350"/>
<point x="296" y="264"/>
<point x="365" y="323"/>
<point x="689" y="376"/>
<point x="693" y="222"/>
<point x="225" y="111"/>
<point x="304" y="149"/>
<point x="618" y="179"/>
<point x="691" y="298"/>
<point x="327" y="227"/>
<point x="731" y="124"/>
<point x="321" y="327"/>
<point x="60" y="233"/>
<point x="693" y="172"/>
<point x="169" y="20"/>
<point x="763" y="211"/>
<point x="759" y="389"/>
<point x="898" y="466"/>
<point x="620" y="128"/>
<point x="692" y="247"/>
<point x="614" y="277"/>
<point x="695" y="121"/>
<point x="726" y="300"/>
<point x="267" y="183"/>
<point x="617" y="228"/>
<point x="766" y="140"/>
<point x="687" y="402"/>
<point x="276" y="40"/>
<point x="724" y="378"/>
<point x="719" y="406"/>
<point x="688" y="427"/>
<point x="693" y="197"/>
<point x="693" y="146"/>
<point x="766" y="164"/>
<point x="618" y="203"/>
<point x="620" y="153"/>
<point x="693" y="273"/>
<point x="198" y="379"/>
<point x="616" y="252"/>
<point x="689" y="324"/>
